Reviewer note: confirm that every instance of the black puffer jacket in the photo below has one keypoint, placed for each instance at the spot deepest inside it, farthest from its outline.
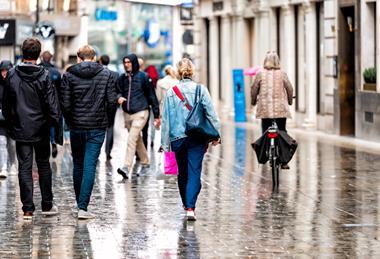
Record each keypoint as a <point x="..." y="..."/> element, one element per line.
<point x="30" y="104"/>
<point x="88" y="96"/>
<point x="3" y="130"/>
<point x="141" y="95"/>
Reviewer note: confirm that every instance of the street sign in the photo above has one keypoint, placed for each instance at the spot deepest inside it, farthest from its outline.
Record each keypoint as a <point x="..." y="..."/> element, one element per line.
<point x="7" y="32"/>
<point x="239" y="96"/>
<point x="105" y="15"/>
<point x="45" y="30"/>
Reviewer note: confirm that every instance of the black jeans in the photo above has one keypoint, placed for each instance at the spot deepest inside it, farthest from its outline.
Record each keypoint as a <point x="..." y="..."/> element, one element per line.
<point x="25" y="163"/>
<point x="109" y="140"/>
<point x="266" y="123"/>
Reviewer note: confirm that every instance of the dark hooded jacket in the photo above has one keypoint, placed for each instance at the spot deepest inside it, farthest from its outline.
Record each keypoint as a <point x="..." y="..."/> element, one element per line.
<point x="30" y="103"/>
<point x="138" y="90"/>
<point x="88" y="96"/>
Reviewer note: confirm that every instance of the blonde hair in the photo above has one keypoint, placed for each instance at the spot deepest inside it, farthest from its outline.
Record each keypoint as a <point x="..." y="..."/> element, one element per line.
<point x="86" y="52"/>
<point x="170" y="71"/>
<point x="272" y="61"/>
<point x="185" y="68"/>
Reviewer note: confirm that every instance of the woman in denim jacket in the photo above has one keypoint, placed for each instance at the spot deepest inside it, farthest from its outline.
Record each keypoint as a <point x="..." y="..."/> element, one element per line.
<point x="189" y="151"/>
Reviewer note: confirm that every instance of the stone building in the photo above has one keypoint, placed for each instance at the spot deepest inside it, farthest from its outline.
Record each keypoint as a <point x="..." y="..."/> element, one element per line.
<point x="67" y="17"/>
<point x="324" y="46"/>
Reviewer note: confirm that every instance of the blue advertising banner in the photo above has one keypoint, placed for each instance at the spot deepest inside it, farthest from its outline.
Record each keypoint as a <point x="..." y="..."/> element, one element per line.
<point x="239" y="96"/>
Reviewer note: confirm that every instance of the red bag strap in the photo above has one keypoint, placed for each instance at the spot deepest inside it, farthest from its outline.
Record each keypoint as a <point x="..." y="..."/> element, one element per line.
<point x="180" y="96"/>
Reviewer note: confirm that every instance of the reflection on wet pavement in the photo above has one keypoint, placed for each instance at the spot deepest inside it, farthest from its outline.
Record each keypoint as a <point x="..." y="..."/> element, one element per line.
<point x="327" y="206"/>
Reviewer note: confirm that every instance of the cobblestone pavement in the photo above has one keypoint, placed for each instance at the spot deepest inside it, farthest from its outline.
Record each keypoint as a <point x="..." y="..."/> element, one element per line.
<point x="327" y="206"/>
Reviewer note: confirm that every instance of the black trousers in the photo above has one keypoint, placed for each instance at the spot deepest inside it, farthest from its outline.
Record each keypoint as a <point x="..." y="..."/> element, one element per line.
<point x="266" y="123"/>
<point x="25" y="163"/>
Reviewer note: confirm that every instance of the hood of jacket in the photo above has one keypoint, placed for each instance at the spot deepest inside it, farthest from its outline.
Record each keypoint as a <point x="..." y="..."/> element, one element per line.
<point x="85" y="69"/>
<point x="29" y="72"/>
<point x="135" y="63"/>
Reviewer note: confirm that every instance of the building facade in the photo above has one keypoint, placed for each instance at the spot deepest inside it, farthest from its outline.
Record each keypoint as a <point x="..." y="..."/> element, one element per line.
<point x="324" y="46"/>
<point x="66" y="17"/>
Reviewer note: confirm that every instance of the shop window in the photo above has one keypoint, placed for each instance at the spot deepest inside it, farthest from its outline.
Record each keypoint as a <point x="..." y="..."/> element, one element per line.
<point x="369" y="41"/>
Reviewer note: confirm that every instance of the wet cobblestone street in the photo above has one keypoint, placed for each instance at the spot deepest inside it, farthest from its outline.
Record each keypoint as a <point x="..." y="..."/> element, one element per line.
<point x="327" y="207"/>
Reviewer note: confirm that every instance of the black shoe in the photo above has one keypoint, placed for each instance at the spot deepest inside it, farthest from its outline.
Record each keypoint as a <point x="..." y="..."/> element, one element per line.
<point x="152" y="144"/>
<point x="285" y="167"/>
<point x="54" y="150"/>
<point x="122" y="173"/>
<point x="109" y="157"/>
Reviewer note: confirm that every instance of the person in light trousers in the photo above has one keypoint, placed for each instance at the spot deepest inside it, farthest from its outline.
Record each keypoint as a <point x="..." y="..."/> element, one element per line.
<point x="189" y="151"/>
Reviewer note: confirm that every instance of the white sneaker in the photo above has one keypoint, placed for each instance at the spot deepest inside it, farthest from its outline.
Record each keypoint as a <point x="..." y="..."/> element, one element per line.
<point x="190" y="215"/>
<point x="82" y="214"/>
<point x="53" y="211"/>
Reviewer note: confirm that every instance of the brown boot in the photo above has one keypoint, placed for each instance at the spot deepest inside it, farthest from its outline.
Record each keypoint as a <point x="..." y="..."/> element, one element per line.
<point x="285" y="167"/>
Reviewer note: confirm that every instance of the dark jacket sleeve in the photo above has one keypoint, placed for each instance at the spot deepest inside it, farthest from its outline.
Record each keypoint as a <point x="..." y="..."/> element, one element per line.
<point x="150" y="94"/>
<point x="119" y="86"/>
<point x="6" y="102"/>
<point x="51" y="97"/>
<point x="111" y="98"/>
<point x="65" y="97"/>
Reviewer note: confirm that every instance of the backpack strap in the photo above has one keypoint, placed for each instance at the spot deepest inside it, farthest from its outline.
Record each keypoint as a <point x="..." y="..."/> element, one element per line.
<point x="180" y="96"/>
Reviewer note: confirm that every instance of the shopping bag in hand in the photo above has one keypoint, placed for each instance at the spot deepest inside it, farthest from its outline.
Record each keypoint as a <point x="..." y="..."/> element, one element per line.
<point x="170" y="163"/>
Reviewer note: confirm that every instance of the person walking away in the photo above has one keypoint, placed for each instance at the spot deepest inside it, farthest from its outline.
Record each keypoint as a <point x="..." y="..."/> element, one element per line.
<point x="164" y="84"/>
<point x="153" y="75"/>
<point x="105" y="60"/>
<point x="189" y="151"/>
<point x="87" y="96"/>
<point x="30" y="107"/>
<point x="55" y="77"/>
<point x="5" y="66"/>
<point x="272" y="93"/>
<point x="135" y="95"/>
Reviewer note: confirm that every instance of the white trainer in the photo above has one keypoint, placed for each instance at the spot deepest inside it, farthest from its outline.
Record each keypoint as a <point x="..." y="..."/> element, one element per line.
<point x="82" y="214"/>
<point x="190" y="215"/>
<point x="53" y="211"/>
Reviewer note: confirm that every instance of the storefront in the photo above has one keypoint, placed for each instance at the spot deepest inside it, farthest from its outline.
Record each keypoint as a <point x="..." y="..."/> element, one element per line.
<point x="123" y="27"/>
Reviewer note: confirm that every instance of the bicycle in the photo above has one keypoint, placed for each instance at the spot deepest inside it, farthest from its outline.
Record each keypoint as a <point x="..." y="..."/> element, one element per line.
<point x="273" y="154"/>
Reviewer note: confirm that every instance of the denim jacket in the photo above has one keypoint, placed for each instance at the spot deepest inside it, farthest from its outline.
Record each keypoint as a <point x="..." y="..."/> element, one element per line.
<point x="175" y="112"/>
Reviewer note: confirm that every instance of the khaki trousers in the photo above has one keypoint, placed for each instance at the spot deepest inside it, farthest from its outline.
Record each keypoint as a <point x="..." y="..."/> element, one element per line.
<point x="135" y="123"/>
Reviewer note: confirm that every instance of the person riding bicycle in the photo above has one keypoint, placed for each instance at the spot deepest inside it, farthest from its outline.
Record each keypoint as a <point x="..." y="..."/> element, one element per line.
<point x="272" y="92"/>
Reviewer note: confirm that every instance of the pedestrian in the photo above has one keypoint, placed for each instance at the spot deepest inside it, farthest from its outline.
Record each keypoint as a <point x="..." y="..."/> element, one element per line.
<point x="272" y="92"/>
<point x="30" y="107"/>
<point x="153" y="75"/>
<point x="5" y="66"/>
<point x="55" y="77"/>
<point x="135" y="96"/>
<point x="87" y="96"/>
<point x="149" y="120"/>
<point x="189" y="151"/>
<point x="164" y="84"/>
<point x="105" y="60"/>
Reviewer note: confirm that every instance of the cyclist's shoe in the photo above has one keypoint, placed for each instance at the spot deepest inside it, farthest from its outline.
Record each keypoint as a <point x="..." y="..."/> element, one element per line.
<point x="285" y="167"/>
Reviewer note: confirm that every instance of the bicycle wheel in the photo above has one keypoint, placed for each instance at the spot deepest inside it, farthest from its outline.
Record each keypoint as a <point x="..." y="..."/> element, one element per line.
<point x="275" y="173"/>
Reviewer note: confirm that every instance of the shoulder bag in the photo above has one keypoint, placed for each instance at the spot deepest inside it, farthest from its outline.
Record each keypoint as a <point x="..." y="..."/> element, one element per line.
<point x="197" y="123"/>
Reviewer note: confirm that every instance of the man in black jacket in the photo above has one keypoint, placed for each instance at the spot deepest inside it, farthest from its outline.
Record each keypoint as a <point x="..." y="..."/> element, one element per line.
<point x="55" y="77"/>
<point x="135" y="95"/>
<point x="105" y="60"/>
<point x="87" y="96"/>
<point x="30" y="107"/>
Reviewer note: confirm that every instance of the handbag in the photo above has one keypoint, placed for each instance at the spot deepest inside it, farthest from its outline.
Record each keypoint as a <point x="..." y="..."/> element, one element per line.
<point x="197" y="123"/>
<point x="170" y="163"/>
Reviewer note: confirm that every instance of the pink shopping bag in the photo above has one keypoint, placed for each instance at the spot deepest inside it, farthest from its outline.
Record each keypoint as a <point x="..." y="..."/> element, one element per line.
<point x="170" y="163"/>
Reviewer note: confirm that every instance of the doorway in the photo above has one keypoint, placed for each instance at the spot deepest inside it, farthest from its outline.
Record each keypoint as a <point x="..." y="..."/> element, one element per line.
<point x="347" y="71"/>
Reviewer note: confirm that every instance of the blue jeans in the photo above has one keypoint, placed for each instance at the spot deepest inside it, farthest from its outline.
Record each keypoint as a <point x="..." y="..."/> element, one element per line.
<point x="85" y="147"/>
<point x="189" y="153"/>
<point x="52" y="135"/>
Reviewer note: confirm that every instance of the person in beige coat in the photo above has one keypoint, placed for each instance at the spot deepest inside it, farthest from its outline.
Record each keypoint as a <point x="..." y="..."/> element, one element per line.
<point x="164" y="84"/>
<point x="272" y="93"/>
